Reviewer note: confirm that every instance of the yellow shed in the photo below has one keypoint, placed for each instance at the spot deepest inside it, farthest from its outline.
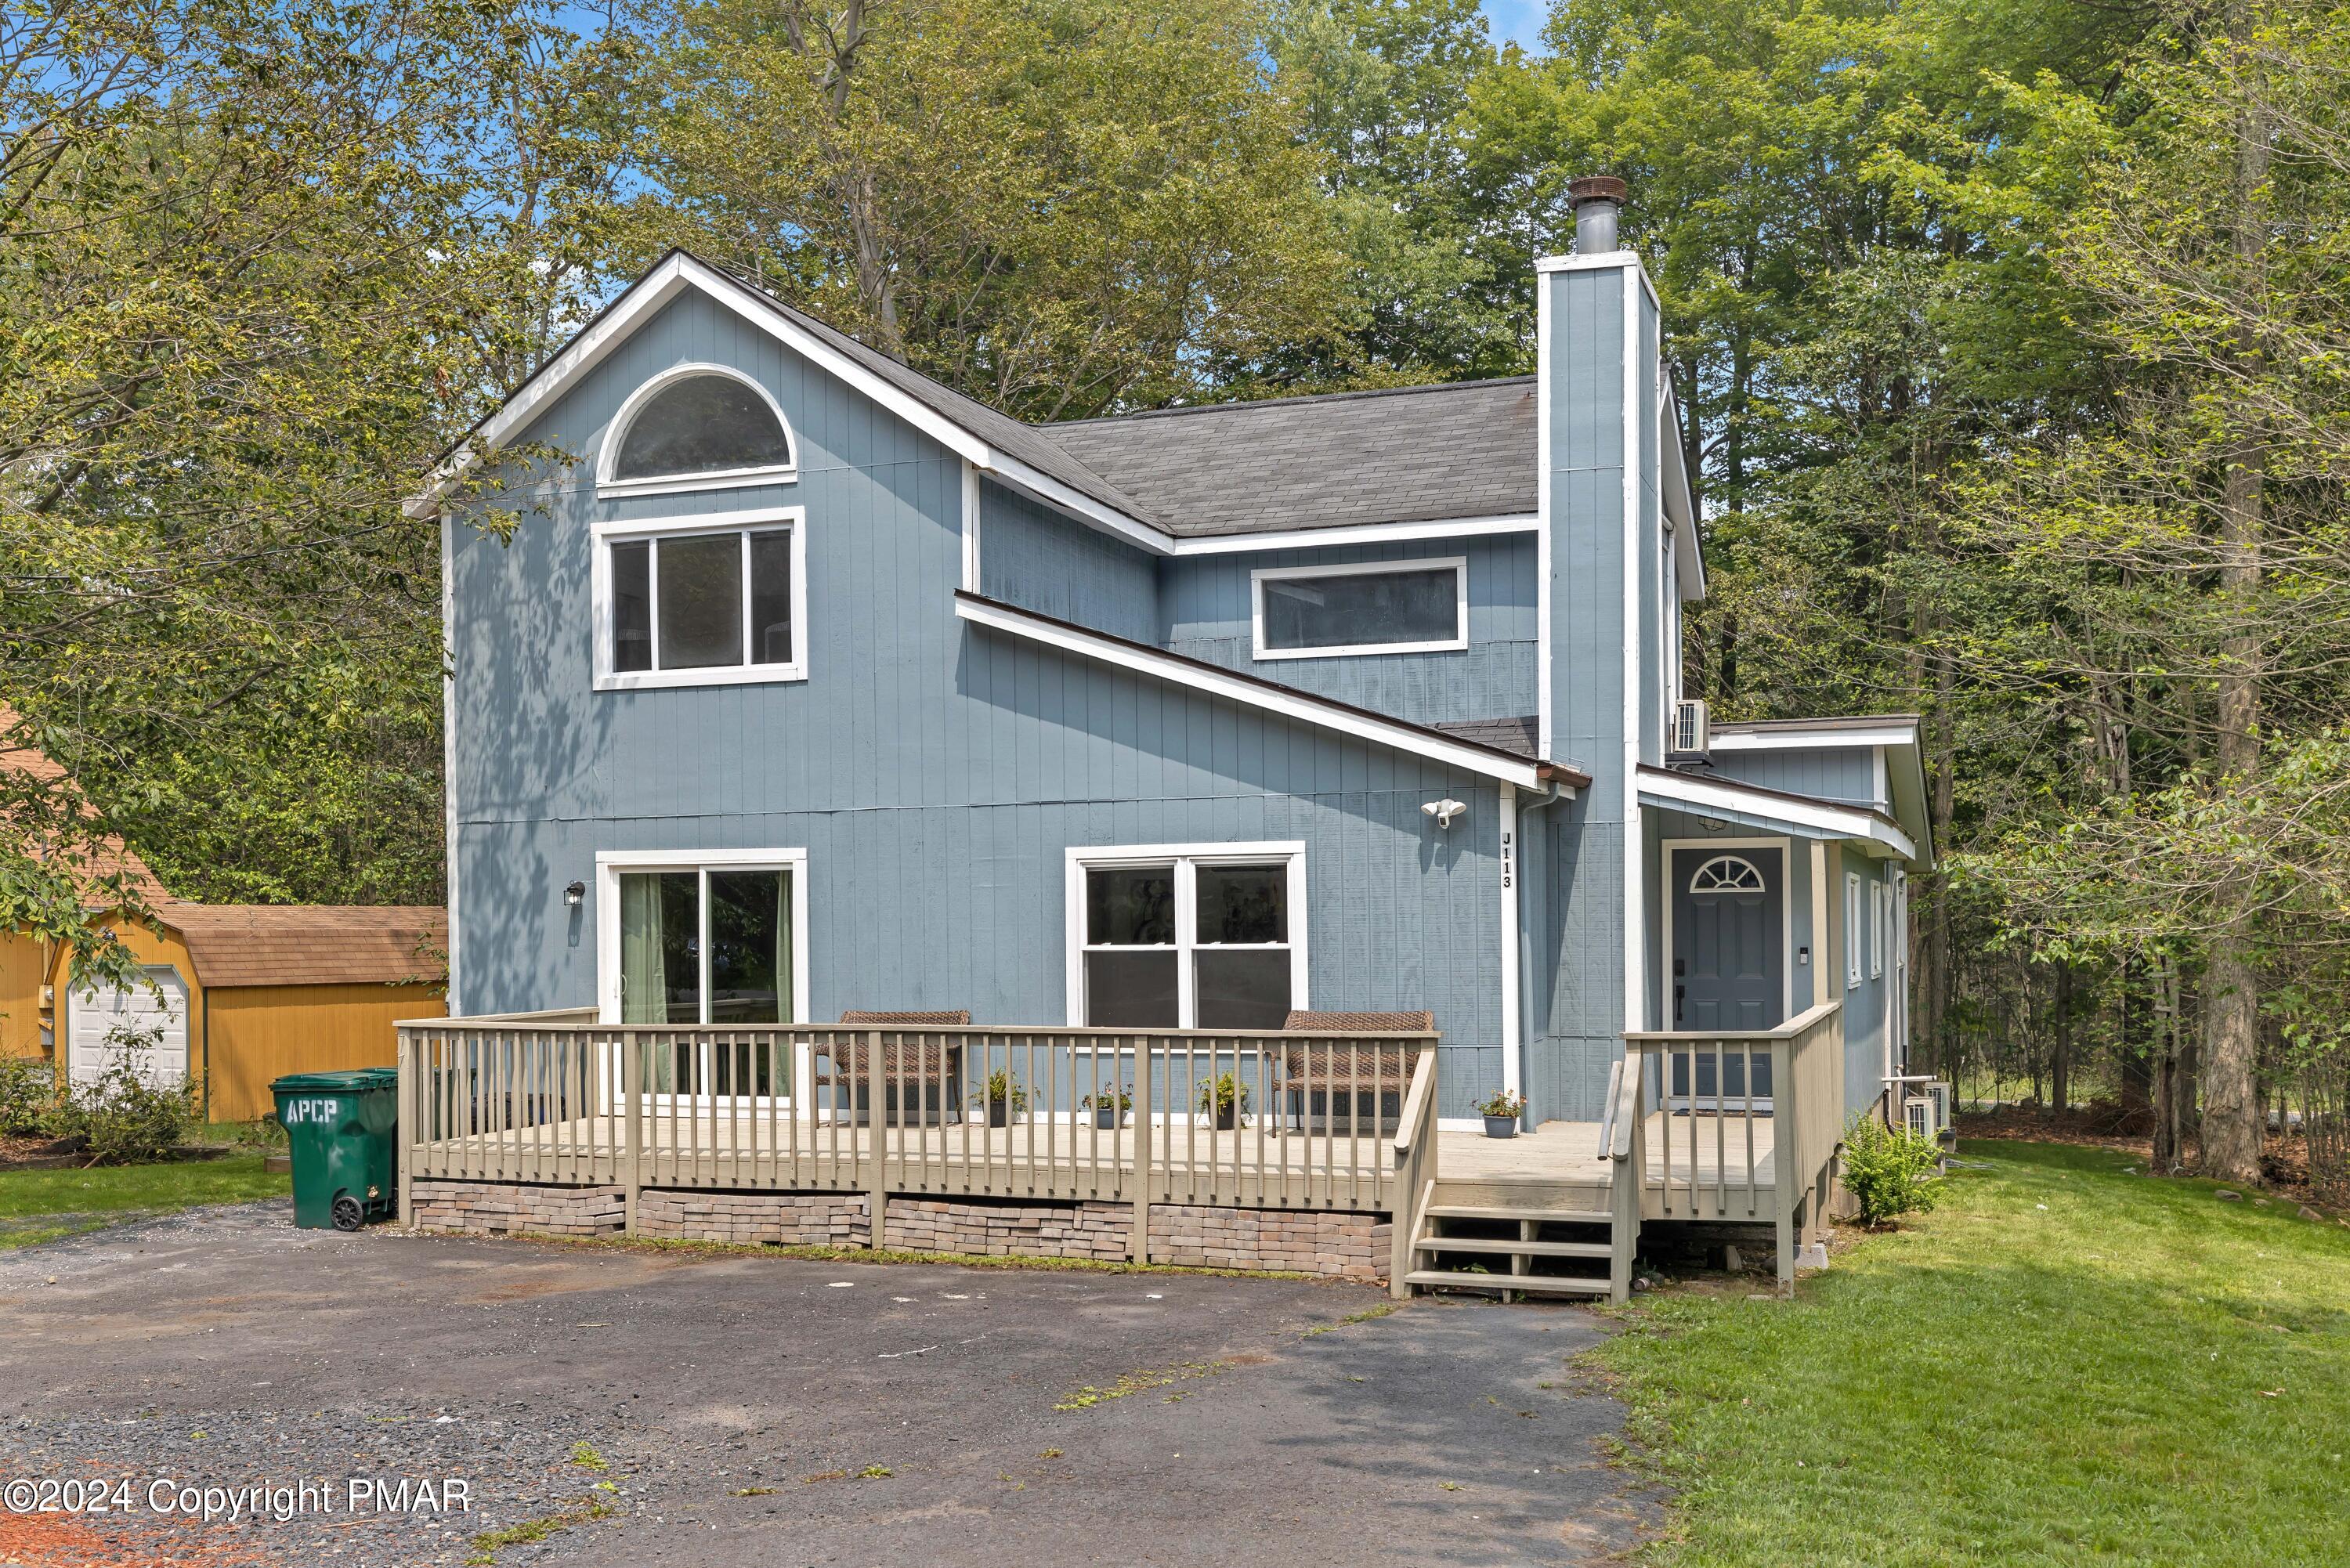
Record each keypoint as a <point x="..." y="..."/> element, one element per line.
<point x="243" y="993"/>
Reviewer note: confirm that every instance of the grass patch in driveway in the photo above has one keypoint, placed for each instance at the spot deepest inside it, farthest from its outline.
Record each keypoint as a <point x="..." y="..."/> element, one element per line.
<point x="42" y="1205"/>
<point x="2066" y="1364"/>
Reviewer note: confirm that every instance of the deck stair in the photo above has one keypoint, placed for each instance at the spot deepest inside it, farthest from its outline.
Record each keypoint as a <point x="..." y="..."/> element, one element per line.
<point x="1539" y="1240"/>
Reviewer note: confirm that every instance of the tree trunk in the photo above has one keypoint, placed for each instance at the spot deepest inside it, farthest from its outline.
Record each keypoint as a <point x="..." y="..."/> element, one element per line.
<point x="2060" y="1064"/>
<point x="2231" y="1127"/>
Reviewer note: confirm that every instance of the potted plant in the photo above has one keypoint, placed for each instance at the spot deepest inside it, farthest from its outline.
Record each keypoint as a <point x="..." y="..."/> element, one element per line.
<point x="1108" y="1107"/>
<point x="1224" y="1097"/>
<point x="1502" y="1113"/>
<point x="1006" y="1099"/>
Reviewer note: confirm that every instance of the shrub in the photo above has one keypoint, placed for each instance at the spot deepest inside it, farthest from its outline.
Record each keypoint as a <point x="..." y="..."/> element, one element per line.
<point x="28" y="1095"/>
<point x="127" y="1115"/>
<point x="1891" y="1170"/>
<point x="1504" y="1104"/>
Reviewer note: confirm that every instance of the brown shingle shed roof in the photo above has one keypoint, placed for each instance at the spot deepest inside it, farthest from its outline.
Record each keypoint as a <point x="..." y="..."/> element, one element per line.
<point x="311" y="944"/>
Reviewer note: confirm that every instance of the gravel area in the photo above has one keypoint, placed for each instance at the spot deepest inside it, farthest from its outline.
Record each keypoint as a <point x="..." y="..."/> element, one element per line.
<point x="638" y="1408"/>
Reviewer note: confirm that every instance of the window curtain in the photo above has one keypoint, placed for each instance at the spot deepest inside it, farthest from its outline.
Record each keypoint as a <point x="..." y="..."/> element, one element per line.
<point x="644" y="971"/>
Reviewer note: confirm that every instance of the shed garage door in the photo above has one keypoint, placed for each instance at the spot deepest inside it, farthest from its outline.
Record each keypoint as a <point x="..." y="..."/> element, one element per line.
<point x="92" y="1016"/>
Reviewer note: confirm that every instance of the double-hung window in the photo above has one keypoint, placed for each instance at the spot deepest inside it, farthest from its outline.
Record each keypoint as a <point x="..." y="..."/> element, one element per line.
<point x="705" y="939"/>
<point x="700" y="601"/>
<point x="1186" y="937"/>
<point x="1373" y="607"/>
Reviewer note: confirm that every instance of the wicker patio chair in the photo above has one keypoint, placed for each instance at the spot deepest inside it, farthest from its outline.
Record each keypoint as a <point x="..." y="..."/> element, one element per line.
<point x="1313" y="1082"/>
<point x="926" y="1073"/>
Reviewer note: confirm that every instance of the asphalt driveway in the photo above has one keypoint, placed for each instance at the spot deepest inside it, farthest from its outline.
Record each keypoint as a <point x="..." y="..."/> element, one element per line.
<point x="637" y="1408"/>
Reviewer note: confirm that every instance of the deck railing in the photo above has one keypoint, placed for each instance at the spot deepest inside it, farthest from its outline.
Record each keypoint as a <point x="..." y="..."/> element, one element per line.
<point x="1738" y="1126"/>
<point x="1250" y="1119"/>
<point x="1413" y="1175"/>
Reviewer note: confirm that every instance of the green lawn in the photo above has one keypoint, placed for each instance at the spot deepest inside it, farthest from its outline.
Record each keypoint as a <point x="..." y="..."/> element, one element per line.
<point x="2065" y="1364"/>
<point x="41" y="1205"/>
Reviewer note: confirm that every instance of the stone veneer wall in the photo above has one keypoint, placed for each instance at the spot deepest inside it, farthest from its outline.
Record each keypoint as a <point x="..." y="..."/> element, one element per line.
<point x="505" y="1208"/>
<point x="1306" y="1242"/>
<point x="1351" y="1245"/>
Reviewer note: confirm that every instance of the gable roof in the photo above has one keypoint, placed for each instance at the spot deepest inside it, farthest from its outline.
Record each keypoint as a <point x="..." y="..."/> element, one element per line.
<point x="1464" y="451"/>
<point x="1400" y="454"/>
<point x="311" y="944"/>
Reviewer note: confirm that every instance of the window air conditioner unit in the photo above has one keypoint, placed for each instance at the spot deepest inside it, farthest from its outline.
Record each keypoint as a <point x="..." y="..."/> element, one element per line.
<point x="1690" y="735"/>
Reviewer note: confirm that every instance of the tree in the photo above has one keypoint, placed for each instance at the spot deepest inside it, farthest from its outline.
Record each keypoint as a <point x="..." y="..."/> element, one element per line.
<point x="265" y="264"/>
<point x="1061" y="207"/>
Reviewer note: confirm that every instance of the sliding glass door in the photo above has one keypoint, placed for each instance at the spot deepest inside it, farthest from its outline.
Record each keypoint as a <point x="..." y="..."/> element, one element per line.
<point x="709" y="945"/>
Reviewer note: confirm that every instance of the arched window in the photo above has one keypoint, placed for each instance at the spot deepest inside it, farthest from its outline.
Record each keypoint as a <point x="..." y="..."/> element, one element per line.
<point x="1727" y="874"/>
<point x="697" y="427"/>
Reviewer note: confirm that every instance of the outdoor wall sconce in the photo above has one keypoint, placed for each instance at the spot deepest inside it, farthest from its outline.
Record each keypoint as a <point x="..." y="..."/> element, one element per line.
<point x="575" y="895"/>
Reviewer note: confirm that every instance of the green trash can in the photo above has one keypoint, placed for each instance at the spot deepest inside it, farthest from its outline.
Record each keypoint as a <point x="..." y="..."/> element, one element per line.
<point x="340" y="1126"/>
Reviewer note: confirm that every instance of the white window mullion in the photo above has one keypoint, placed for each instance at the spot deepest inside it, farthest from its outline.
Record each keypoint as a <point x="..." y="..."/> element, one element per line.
<point x="652" y="603"/>
<point x="1187" y="934"/>
<point x="743" y="552"/>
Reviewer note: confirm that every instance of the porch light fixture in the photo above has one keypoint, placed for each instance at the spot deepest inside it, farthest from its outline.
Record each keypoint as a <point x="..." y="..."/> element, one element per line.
<point x="1445" y="810"/>
<point x="575" y="895"/>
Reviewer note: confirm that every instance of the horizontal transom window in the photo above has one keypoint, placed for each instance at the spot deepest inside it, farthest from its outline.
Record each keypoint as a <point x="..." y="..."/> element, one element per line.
<point x="1377" y="607"/>
<point x="692" y="605"/>
<point x="1210" y="938"/>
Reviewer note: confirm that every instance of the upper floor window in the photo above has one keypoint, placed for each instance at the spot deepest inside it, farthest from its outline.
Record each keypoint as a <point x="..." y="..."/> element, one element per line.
<point x="1375" y="606"/>
<point x="712" y="600"/>
<point x="697" y="427"/>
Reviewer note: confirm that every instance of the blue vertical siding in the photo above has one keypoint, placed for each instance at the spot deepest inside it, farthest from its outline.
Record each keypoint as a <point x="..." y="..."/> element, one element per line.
<point x="935" y="773"/>
<point x="1582" y="944"/>
<point x="1207" y="604"/>
<point x="1840" y="772"/>
<point x="1035" y="557"/>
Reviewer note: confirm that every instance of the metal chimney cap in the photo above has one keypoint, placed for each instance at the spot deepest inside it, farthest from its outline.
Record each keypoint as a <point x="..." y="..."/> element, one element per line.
<point x="1598" y="188"/>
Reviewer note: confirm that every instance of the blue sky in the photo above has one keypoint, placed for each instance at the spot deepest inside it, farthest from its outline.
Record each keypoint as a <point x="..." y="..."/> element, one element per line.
<point x="1517" y="21"/>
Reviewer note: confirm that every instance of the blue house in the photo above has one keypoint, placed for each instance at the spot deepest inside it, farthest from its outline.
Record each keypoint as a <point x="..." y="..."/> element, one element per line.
<point x="811" y="690"/>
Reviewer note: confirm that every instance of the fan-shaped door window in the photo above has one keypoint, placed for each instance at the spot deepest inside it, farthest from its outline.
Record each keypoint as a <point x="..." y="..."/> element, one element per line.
<point x="1727" y="874"/>
<point x="699" y="427"/>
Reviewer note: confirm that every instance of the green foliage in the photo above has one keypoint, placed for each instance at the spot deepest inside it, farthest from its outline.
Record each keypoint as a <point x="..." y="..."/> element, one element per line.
<point x="2066" y="1364"/>
<point x="39" y="1205"/>
<point x="1892" y="1172"/>
<point x="1222" y="1095"/>
<point x="28" y="1095"/>
<point x="1504" y="1104"/>
<point x="1002" y="1091"/>
<point x="1061" y="207"/>
<point x="125" y="1115"/>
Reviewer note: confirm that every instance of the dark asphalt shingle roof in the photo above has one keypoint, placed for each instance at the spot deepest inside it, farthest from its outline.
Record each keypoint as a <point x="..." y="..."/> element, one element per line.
<point x="1406" y="454"/>
<point x="1000" y="430"/>
<point x="1520" y="735"/>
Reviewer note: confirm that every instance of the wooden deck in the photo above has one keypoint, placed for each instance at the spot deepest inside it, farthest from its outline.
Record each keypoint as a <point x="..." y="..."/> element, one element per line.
<point x="1269" y="1120"/>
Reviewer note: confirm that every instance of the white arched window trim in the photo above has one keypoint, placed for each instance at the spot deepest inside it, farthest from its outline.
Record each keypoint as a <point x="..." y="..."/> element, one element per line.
<point x="681" y="483"/>
<point x="1727" y="874"/>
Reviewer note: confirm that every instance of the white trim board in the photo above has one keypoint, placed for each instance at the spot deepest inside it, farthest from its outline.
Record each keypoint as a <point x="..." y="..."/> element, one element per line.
<point x="1186" y="858"/>
<point x="1260" y="650"/>
<point x="1682" y="790"/>
<point x="1298" y="705"/>
<point x="1357" y="534"/>
<point x="610" y="863"/>
<point x="1813" y="740"/>
<point x="1786" y="848"/>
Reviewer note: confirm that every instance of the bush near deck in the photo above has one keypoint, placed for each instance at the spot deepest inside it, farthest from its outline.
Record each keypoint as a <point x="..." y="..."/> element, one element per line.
<point x="2067" y="1364"/>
